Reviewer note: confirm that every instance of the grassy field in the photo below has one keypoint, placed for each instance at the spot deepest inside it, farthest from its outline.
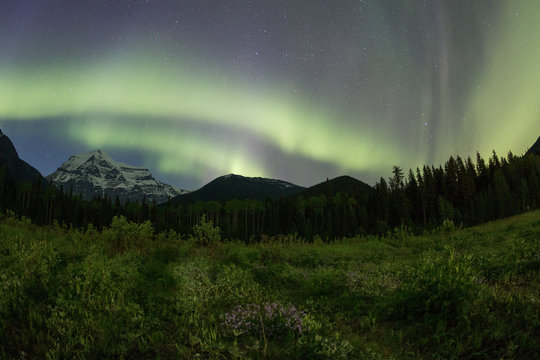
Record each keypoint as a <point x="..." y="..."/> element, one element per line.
<point x="126" y="293"/>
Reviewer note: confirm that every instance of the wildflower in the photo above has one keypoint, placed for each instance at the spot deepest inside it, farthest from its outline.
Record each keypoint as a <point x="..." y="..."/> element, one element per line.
<point x="276" y="320"/>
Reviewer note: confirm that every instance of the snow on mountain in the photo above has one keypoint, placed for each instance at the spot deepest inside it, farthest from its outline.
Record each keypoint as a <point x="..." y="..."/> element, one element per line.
<point x="96" y="173"/>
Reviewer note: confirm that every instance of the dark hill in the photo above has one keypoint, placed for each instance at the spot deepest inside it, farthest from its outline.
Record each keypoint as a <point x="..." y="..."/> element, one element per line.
<point x="232" y="186"/>
<point x="345" y="185"/>
<point x="535" y="149"/>
<point x="17" y="169"/>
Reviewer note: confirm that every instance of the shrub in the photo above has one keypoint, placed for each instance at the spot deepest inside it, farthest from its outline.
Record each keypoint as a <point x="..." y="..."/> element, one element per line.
<point x="438" y="300"/>
<point x="320" y="347"/>
<point x="124" y="234"/>
<point x="205" y="233"/>
<point x="441" y="287"/>
<point x="372" y="280"/>
<point x="234" y="285"/>
<point x="447" y="226"/>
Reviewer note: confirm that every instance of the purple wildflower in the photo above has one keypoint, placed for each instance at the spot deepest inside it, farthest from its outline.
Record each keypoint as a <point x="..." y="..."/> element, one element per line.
<point x="277" y="320"/>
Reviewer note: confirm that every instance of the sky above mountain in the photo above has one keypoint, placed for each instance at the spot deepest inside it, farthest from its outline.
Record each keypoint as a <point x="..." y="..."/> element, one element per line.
<point x="296" y="90"/>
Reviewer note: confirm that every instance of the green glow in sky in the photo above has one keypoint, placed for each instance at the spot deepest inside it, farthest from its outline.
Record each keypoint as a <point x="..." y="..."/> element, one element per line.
<point x="177" y="152"/>
<point x="96" y="97"/>
<point x="378" y="84"/>
<point x="505" y="105"/>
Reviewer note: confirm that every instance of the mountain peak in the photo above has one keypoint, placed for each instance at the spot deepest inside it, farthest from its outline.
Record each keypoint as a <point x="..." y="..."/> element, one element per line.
<point x="7" y="149"/>
<point x="96" y="156"/>
<point x="345" y="184"/>
<point x="228" y="176"/>
<point x="236" y="176"/>
<point x="97" y="153"/>
<point x="16" y="168"/>
<point x="250" y="181"/>
<point x="535" y="149"/>
<point x="100" y="154"/>
<point x="95" y="173"/>
<point x="233" y="186"/>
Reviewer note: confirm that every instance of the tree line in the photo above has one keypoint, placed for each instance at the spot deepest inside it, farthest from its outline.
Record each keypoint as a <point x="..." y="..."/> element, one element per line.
<point x="461" y="190"/>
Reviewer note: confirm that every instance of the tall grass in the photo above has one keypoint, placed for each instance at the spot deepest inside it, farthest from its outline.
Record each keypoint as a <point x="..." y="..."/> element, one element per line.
<point x="128" y="293"/>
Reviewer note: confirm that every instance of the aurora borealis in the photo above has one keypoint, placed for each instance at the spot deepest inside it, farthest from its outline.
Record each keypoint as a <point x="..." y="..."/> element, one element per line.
<point x="299" y="91"/>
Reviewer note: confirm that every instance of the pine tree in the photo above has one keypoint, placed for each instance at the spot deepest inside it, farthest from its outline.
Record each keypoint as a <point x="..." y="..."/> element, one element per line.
<point x="399" y="206"/>
<point x="381" y="202"/>
<point x="503" y="197"/>
<point x="423" y="196"/>
<point x="451" y="181"/>
<point x="482" y="171"/>
<point x="413" y="194"/>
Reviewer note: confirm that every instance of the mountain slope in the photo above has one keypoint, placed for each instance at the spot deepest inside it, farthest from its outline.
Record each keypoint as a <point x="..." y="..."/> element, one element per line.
<point x="96" y="173"/>
<point x="535" y="149"/>
<point x="345" y="185"/>
<point x="16" y="168"/>
<point x="232" y="186"/>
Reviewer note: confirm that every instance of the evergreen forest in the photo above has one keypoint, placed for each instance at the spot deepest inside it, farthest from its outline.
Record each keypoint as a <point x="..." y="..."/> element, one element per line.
<point x="462" y="191"/>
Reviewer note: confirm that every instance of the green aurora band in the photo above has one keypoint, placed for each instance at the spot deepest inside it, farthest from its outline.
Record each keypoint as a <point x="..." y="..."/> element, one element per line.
<point x="502" y="110"/>
<point x="141" y="88"/>
<point x="506" y="101"/>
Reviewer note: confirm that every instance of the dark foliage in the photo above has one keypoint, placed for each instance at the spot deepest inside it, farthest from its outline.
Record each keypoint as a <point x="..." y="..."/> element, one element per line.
<point x="461" y="191"/>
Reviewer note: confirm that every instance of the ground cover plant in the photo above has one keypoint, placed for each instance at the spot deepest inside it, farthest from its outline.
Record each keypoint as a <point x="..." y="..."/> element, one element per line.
<point x="128" y="293"/>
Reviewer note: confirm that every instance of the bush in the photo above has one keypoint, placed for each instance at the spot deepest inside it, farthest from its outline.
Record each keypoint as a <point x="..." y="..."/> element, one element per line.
<point x="319" y="347"/>
<point x="205" y="233"/>
<point x="438" y="299"/>
<point x="438" y="291"/>
<point x="124" y="235"/>
<point x="447" y="226"/>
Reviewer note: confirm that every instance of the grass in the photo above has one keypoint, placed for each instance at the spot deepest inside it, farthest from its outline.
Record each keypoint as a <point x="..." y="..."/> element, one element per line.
<point x="125" y="293"/>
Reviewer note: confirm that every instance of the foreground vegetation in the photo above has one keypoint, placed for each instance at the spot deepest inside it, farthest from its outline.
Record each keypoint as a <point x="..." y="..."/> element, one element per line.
<point x="126" y="293"/>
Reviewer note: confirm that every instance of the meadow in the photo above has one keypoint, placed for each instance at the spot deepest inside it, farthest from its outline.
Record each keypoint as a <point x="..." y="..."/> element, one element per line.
<point x="128" y="293"/>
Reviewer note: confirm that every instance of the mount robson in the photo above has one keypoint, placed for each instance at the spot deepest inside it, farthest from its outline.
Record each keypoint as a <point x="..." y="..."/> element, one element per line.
<point x="95" y="173"/>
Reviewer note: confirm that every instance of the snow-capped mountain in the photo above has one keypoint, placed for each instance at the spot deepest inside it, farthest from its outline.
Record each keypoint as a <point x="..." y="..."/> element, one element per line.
<point x="96" y="173"/>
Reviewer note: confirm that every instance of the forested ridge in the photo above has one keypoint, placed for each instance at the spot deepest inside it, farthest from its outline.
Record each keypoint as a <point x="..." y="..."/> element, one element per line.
<point x="462" y="190"/>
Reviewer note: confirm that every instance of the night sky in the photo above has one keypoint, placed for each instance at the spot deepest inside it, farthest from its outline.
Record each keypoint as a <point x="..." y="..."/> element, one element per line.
<point x="296" y="90"/>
